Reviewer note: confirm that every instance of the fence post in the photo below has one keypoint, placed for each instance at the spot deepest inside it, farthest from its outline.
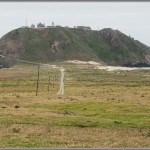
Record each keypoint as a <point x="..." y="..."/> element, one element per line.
<point x="37" y="81"/>
<point x="48" y="80"/>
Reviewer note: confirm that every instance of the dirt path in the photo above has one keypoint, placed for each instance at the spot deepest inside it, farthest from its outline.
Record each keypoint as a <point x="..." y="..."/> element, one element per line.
<point x="61" y="90"/>
<point x="61" y="87"/>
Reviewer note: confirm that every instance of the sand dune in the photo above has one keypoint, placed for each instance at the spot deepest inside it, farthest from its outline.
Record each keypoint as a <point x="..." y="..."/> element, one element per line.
<point x="100" y="66"/>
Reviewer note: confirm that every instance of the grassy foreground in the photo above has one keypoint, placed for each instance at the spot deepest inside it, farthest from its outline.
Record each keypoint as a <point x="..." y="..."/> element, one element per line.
<point x="99" y="108"/>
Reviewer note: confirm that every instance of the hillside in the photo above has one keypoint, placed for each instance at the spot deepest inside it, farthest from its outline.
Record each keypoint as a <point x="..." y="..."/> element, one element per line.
<point x="57" y="44"/>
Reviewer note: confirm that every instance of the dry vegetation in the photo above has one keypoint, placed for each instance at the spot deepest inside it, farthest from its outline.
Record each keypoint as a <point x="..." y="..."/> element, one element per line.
<point x="98" y="109"/>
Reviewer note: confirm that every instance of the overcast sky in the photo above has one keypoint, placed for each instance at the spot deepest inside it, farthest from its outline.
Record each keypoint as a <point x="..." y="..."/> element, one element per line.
<point x="131" y="18"/>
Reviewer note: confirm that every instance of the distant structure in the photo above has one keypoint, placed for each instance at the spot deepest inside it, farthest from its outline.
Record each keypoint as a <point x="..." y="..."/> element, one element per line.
<point x="49" y="26"/>
<point x="53" y="24"/>
<point x="32" y="26"/>
<point x="40" y="25"/>
<point x="26" y="22"/>
<point x="84" y="28"/>
<point x="58" y="26"/>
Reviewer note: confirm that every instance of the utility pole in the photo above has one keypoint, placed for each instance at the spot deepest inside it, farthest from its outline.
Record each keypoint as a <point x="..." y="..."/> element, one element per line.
<point x="48" y="80"/>
<point x="56" y="77"/>
<point x="53" y="24"/>
<point x="37" y="87"/>
<point x="53" y="80"/>
<point x="26" y="21"/>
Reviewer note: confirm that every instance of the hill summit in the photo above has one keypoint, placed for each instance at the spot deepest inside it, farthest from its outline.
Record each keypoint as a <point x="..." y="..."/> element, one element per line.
<point x="44" y="45"/>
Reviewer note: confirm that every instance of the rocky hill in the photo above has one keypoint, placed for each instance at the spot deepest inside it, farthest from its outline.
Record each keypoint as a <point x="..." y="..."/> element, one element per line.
<point x="56" y="44"/>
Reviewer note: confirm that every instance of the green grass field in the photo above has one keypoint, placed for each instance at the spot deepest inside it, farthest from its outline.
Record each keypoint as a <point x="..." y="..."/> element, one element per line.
<point x="99" y="108"/>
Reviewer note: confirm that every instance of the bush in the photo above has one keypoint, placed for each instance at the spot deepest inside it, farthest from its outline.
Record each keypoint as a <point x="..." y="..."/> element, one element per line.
<point x="17" y="106"/>
<point x="16" y="130"/>
<point x="117" y="122"/>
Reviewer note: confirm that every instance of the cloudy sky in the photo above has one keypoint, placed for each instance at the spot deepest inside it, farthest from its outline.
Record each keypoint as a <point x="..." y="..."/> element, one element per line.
<point x="131" y="18"/>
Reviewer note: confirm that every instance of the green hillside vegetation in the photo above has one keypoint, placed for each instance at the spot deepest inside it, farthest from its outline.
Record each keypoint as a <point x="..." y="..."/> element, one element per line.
<point x="56" y="44"/>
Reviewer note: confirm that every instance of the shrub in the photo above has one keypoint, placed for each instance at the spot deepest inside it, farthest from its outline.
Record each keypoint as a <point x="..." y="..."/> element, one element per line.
<point x="117" y="122"/>
<point x="17" y="106"/>
<point x="16" y="130"/>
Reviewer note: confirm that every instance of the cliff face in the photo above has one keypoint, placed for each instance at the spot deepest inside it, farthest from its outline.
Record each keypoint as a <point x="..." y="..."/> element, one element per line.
<point x="111" y="36"/>
<point x="130" y="51"/>
<point x="57" y="44"/>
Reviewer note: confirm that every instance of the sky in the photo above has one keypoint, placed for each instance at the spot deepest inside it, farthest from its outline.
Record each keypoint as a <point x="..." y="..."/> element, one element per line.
<point x="131" y="18"/>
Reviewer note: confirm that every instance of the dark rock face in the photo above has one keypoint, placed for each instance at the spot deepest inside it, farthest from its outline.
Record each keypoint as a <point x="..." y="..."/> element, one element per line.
<point x="11" y="45"/>
<point x="5" y="63"/>
<point x="137" y="65"/>
<point x="111" y="36"/>
<point x="131" y="51"/>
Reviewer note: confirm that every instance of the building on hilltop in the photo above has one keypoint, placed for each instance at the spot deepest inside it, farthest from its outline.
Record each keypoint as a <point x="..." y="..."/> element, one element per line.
<point x="53" y="24"/>
<point x="32" y="26"/>
<point x="84" y="28"/>
<point x="58" y="26"/>
<point x="40" y="25"/>
<point x="49" y="26"/>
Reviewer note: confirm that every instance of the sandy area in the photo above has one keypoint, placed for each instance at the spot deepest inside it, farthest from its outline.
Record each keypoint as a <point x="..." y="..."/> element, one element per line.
<point x="112" y="68"/>
<point x="99" y="66"/>
<point x="84" y="62"/>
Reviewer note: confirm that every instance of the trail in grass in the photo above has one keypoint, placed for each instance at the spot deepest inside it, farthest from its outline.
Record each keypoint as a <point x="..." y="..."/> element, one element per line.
<point x="61" y="90"/>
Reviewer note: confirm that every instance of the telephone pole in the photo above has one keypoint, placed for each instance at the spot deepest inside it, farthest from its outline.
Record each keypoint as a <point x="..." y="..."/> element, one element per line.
<point x="37" y="87"/>
<point x="26" y="22"/>
<point x="49" y="80"/>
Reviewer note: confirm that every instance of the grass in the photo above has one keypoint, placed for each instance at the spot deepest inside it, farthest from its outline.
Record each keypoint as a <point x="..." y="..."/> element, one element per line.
<point x="98" y="109"/>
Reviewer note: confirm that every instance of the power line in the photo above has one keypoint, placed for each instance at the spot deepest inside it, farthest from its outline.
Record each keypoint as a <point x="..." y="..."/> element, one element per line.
<point x="61" y="91"/>
<point x="30" y="62"/>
